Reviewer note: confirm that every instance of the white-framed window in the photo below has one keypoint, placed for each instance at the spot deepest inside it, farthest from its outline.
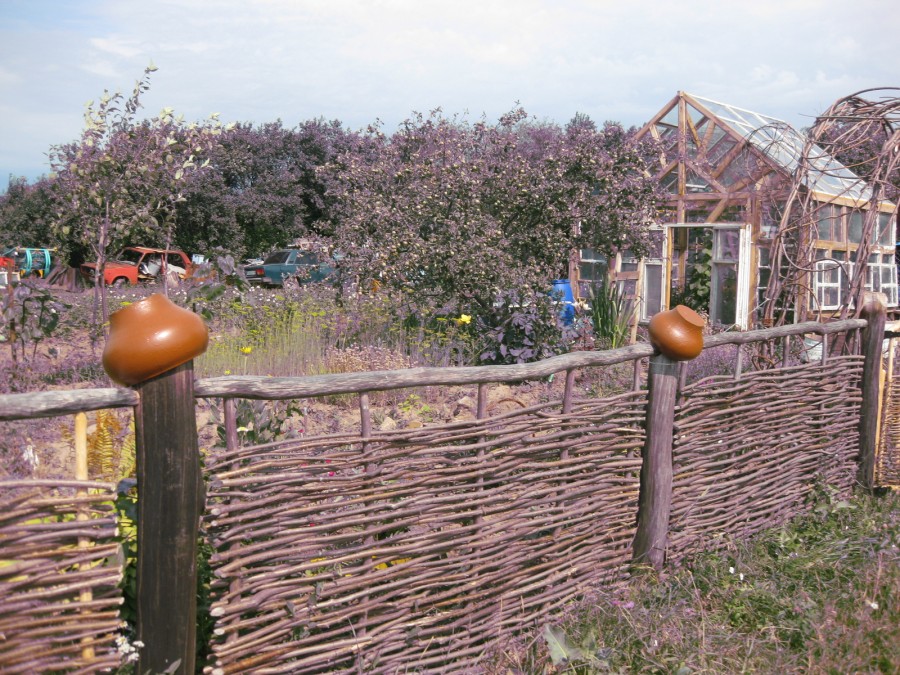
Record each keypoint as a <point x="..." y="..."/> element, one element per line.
<point x="654" y="274"/>
<point x="832" y="280"/>
<point x="881" y="276"/>
<point x="830" y="283"/>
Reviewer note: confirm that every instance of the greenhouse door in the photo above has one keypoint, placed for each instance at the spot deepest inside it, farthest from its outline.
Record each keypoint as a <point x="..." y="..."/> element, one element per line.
<point x="709" y="270"/>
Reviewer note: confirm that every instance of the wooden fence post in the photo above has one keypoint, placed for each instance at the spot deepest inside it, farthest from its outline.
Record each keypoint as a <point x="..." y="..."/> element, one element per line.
<point x="655" y="499"/>
<point x="874" y="312"/>
<point x="151" y="346"/>
<point x="169" y="504"/>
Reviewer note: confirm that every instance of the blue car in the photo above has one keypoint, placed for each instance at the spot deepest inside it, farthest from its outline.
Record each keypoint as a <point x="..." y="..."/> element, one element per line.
<point x="289" y="265"/>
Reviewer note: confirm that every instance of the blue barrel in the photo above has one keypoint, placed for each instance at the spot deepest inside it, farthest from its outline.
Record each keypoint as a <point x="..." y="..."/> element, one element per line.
<point x="563" y="288"/>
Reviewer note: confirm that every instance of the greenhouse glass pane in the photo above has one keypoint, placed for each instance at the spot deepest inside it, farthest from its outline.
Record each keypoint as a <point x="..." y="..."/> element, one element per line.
<point x="855" y="230"/>
<point x="699" y="214"/>
<point x="886" y="234"/>
<point x="670" y="181"/>
<point x="725" y="279"/>
<point x="653" y="276"/>
<point x="719" y="148"/>
<point x="727" y="244"/>
<point x="656" y="244"/>
<point x="696" y="183"/>
<point x="784" y="146"/>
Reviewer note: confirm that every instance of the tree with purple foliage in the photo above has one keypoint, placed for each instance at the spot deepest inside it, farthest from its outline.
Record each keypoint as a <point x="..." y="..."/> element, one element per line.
<point x="263" y="191"/>
<point x="122" y="179"/>
<point x="451" y="214"/>
<point x="25" y="213"/>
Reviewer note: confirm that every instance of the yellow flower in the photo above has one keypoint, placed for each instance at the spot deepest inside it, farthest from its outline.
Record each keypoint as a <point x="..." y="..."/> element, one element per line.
<point x="228" y="372"/>
<point x="246" y="350"/>
<point x="464" y="319"/>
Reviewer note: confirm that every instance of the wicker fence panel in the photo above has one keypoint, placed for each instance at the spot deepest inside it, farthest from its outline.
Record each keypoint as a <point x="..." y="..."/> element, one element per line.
<point x="419" y="549"/>
<point x="748" y="452"/>
<point x="59" y="575"/>
<point x="887" y="461"/>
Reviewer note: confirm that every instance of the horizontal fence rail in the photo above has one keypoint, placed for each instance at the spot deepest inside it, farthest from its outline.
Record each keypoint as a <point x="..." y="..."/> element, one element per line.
<point x="54" y="403"/>
<point x="51" y="403"/>
<point x="274" y="388"/>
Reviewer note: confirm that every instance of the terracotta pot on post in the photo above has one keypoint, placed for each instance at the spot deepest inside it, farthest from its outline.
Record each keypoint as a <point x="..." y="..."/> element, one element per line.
<point x="149" y="337"/>
<point x="677" y="333"/>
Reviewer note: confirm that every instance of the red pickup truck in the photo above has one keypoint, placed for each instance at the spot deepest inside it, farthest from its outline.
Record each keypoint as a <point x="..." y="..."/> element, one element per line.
<point x="140" y="263"/>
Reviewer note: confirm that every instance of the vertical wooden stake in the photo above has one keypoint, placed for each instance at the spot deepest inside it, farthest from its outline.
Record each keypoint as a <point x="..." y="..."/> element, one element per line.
<point x="365" y="423"/>
<point x="480" y="414"/>
<point x="230" y="413"/>
<point x="229" y="408"/>
<point x="874" y="312"/>
<point x="655" y="501"/>
<point x="81" y="473"/>
<point x="169" y="505"/>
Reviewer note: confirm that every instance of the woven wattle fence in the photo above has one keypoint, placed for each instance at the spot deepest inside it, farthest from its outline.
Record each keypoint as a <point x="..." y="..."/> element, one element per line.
<point x="419" y="549"/>
<point x="747" y="452"/>
<point x="425" y="549"/>
<point x="59" y="576"/>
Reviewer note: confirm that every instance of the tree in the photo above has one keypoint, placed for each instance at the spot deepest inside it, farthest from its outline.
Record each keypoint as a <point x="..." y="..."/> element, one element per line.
<point x="267" y="182"/>
<point x="451" y="213"/>
<point x="455" y="215"/>
<point x="26" y="212"/>
<point x="122" y="179"/>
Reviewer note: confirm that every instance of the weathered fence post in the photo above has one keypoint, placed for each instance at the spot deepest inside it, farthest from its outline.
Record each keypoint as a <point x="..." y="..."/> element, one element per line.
<point x="169" y="505"/>
<point x="655" y="500"/>
<point x="678" y="336"/>
<point x="874" y="312"/>
<point x="151" y="346"/>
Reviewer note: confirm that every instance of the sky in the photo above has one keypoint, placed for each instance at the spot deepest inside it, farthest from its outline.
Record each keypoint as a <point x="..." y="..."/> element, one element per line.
<point x="359" y="61"/>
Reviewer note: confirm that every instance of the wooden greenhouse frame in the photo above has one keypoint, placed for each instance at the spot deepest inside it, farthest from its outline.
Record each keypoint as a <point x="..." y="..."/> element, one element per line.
<point x="742" y="188"/>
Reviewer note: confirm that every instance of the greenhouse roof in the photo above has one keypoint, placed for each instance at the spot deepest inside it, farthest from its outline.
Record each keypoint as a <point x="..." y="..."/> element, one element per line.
<point x="779" y="141"/>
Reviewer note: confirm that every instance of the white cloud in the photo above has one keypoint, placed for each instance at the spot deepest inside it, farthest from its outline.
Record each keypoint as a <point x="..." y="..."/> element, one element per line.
<point x="116" y="46"/>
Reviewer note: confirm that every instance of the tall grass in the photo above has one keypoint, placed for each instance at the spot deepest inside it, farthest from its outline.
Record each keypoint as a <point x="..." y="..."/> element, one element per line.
<point x="819" y="595"/>
<point x="305" y="332"/>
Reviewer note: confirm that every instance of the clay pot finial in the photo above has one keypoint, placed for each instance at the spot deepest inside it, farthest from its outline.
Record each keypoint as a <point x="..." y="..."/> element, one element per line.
<point x="151" y="336"/>
<point x="677" y="333"/>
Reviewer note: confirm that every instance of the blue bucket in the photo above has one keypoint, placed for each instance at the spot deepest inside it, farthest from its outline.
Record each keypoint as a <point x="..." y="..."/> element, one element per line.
<point x="563" y="287"/>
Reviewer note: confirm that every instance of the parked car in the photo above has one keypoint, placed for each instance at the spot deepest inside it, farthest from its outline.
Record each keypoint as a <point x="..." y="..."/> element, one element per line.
<point x="289" y="265"/>
<point x="30" y="262"/>
<point x="140" y="263"/>
<point x="8" y="274"/>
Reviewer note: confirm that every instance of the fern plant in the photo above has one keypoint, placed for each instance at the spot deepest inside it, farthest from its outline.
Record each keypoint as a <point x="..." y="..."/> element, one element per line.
<point x="110" y="447"/>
